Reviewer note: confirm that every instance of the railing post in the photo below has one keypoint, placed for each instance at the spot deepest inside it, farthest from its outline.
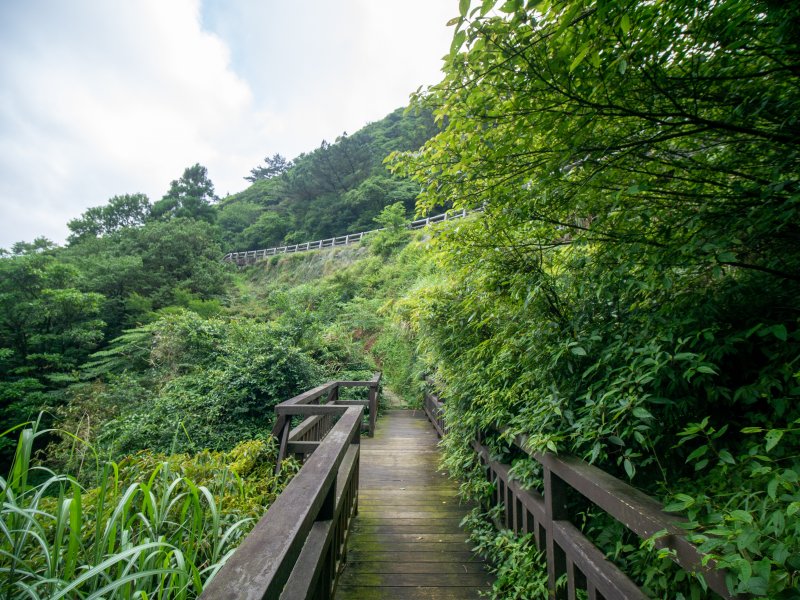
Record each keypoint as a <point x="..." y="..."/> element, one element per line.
<point x="373" y="408"/>
<point x="280" y="431"/>
<point x="555" y="510"/>
<point x="326" y="511"/>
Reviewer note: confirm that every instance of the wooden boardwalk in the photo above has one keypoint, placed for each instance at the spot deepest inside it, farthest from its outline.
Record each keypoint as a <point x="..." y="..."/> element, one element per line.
<point x="405" y="542"/>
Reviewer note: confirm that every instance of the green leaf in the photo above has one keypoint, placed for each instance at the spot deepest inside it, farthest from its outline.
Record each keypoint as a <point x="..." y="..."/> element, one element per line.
<point x="752" y="429"/>
<point x="642" y="413"/>
<point x="578" y="351"/>
<point x="629" y="468"/>
<point x="706" y="369"/>
<point x="625" y="24"/>
<point x="772" y="488"/>
<point x="510" y="6"/>
<point x="458" y="41"/>
<point x="682" y="502"/>
<point x="726" y="457"/>
<point x="779" y="331"/>
<point x="622" y="66"/>
<point x="697" y="454"/>
<point x="773" y="437"/>
<point x="486" y="6"/>
<point x="579" y="58"/>
<point x="741" y="515"/>
<point x="463" y="7"/>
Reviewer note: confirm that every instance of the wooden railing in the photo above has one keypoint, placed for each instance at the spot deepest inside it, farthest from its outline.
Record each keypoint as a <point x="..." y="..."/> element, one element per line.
<point x="434" y="408"/>
<point x="544" y="514"/>
<point x="251" y="256"/>
<point x="297" y="549"/>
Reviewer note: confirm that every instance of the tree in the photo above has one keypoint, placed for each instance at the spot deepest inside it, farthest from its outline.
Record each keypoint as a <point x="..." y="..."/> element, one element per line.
<point x="276" y="165"/>
<point x="190" y="196"/>
<point x="179" y="253"/>
<point x="128" y="210"/>
<point x="268" y="230"/>
<point x="47" y="328"/>
<point x="394" y="230"/>
<point x="39" y="245"/>
<point x="235" y="217"/>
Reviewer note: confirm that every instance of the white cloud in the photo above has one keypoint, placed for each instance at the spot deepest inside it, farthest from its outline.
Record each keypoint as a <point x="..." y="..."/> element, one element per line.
<point x="105" y="98"/>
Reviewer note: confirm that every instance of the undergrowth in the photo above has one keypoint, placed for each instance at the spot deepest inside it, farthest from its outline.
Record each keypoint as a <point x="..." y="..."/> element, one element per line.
<point x="152" y="526"/>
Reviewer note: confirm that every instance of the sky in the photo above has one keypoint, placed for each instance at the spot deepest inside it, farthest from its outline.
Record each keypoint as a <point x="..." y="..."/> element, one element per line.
<point x="106" y="97"/>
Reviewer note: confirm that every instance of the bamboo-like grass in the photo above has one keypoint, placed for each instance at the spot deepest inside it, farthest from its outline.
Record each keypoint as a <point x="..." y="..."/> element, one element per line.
<point x="160" y="538"/>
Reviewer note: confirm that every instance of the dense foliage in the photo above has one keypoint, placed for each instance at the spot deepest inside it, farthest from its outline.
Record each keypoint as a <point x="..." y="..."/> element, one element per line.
<point x="630" y="291"/>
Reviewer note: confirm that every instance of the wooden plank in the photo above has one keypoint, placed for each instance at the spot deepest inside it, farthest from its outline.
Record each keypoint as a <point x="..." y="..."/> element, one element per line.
<point x="301" y="447"/>
<point x="422" y="526"/>
<point x="405" y="593"/>
<point x="444" y="492"/>
<point x="462" y="556"/>
<point x="367" y="521"/>
<point x="309" y="409"/>
<point x="404" y="514"/>
<point x="391" y="539"/>
<point x="441" y="580"/>
<point x="401" y="566"/>
<point x="359" y="543"/>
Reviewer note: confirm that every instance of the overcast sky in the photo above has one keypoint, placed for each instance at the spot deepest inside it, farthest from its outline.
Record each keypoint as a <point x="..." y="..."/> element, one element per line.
<point x="107" y="97"/>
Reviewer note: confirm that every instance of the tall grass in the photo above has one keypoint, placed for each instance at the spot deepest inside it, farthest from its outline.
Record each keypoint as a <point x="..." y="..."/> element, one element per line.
<point x="161" y="537"/>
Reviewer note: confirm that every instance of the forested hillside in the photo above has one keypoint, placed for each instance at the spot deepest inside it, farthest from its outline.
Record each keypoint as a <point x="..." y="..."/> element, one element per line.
<point x="338" y="188"/>
<point x="628" y="295"/>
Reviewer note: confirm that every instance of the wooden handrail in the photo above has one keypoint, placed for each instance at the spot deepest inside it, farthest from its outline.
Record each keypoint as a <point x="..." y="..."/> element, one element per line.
<point x="297" y="549"/>
<point x="544" y="514"/>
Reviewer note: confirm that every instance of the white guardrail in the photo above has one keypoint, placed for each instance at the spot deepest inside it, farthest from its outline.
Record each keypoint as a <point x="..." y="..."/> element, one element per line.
<point x="251" y="256"/>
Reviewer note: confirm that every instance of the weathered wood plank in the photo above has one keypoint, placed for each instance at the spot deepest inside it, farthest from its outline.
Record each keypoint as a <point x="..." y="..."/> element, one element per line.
<point x="409" y="524"/>
<point x="420" y="528"/>
<point x="358" y="543"/>
<point x="462" y="556"/>
<point x="401" y="566"/>
<point x="442" y="580"/>
<point x="401" y="514"/>
<point x="406" y="593"/>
